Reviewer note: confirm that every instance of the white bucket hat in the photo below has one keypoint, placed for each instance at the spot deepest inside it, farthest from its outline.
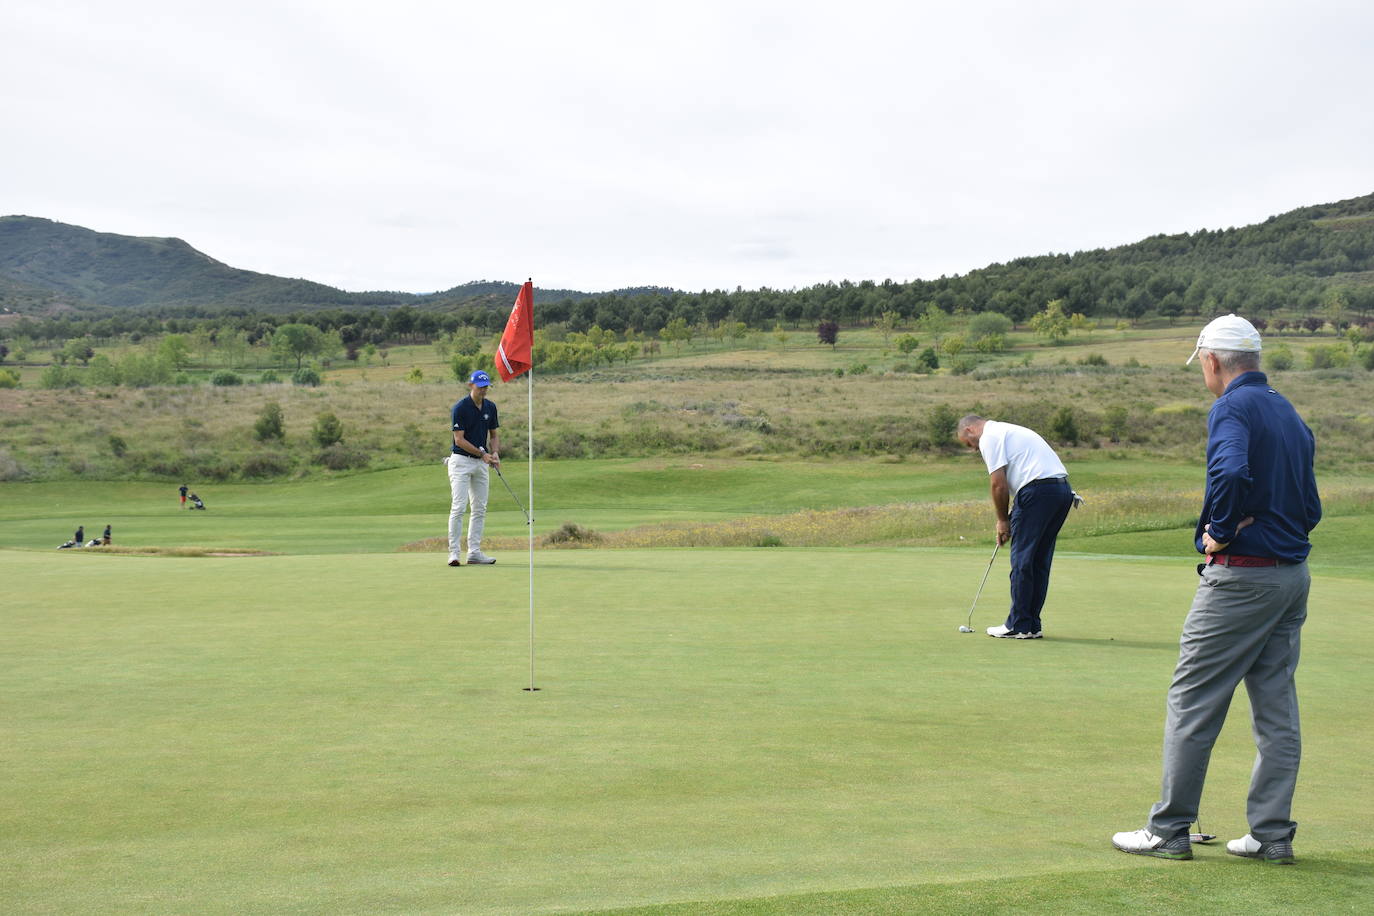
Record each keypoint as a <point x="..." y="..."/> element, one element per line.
<point x="1229" y="332"/>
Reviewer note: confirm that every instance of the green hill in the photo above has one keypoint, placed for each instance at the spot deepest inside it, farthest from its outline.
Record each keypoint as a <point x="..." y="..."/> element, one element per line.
<point x="46" y="264"/>
<point x="101" y="268"/>
<point x="1311" y="259"/>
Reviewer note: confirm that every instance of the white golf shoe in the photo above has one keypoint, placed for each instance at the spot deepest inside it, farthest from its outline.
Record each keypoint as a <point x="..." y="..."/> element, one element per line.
<point x="453" y="560"/>
<point x="480" y="559"/>
<point x="1275" y="852"/>
<point x="1144" y="843"/>
<point x="1002" y="632"/>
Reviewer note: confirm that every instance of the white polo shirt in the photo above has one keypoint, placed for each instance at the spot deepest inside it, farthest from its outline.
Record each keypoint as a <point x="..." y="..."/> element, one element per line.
<point x="1021" y="451"/>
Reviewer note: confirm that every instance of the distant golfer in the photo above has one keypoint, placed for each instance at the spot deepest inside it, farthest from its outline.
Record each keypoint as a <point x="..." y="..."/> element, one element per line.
<point x="105" y="538"/>
<point x="1031" y="498"/>
<point x="1260" y="504"/>
<point x="476" y="445"/>
<point x="183" y="490"/>
<point x="80" y="536"/>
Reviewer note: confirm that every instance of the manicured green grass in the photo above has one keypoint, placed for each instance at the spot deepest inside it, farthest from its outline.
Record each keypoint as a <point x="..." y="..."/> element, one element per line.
<point x="348" y="733"/>
<point x="383" y="510"/>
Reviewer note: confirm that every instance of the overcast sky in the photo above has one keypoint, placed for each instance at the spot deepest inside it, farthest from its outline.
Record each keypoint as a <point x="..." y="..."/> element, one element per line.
<point x="593" y="145"/>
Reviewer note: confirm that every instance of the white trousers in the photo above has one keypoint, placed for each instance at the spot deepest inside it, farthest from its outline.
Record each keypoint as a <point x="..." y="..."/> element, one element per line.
<point x="467" y="481"/>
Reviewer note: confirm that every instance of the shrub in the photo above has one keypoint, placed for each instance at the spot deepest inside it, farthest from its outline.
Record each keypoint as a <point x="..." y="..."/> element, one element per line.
<point x="340" y="457"/>
<point x="858" y="369"/>
<point x="1063" y="426"/>
<point x="928" y="360"/>
<point x="953" y="345"/>
<point x="1328" y="356"/>
<point x="270" y="424"/>
<point x="269" y="377"/>
<point x="962" y="365"/>
<point x="993" y="343"/>
<point x="327" y="431"/>
<point x="940" y="424"/>
<point x="1093" y="359"/>
<point x="9" y="378"/>
<point x="768" y="540"/>
<point x="988" y="324"/>
<point x="416" y="442"/>
<point x="266" y="464"/>
<point x="306" y="376"/>
<point x="416" y="375"/>
<point x="907" y="343"/>
<point x="563" y="443"/>
<point x="103" y="373"/>
<point x="1115" y="422"/>
<point x="572" y="535"/>
<point x="58" y="377"/>
<point x="141" y="370"/>
<point x="226" y="378"/>
<point x="9" y="468"/>
<point x="462" y="367"/>
<point x="1279" y="359"/>
<point x="1367" y="358"/>
<point x="117" y="446"/>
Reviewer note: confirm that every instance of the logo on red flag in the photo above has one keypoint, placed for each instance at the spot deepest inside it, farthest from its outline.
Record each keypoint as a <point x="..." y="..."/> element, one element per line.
<point x="513" y="355"/>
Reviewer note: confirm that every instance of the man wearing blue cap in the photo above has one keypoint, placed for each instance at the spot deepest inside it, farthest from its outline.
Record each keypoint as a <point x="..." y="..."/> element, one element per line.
<point x="476" y="445"/>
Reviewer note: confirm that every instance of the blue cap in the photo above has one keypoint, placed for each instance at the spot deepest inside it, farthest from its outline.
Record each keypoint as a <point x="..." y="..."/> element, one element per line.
<point x="480" y="379"/>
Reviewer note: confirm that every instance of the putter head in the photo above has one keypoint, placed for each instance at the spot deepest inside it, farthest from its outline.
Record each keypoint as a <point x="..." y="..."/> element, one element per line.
<point x="964" y="629"/>
<point x="1201" y="837"/>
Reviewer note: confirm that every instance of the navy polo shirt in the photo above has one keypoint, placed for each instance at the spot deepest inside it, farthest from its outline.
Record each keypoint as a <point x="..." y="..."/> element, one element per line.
<point x="473" y="423"/>
<point x="1259" y="463"/>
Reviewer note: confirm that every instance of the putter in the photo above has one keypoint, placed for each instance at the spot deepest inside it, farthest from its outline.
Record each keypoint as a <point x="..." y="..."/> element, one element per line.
<point x="968" y="627"/>
<point x="1201" y="837"/>
<point x="512" y="494"/>
<point x="497" y="469"/>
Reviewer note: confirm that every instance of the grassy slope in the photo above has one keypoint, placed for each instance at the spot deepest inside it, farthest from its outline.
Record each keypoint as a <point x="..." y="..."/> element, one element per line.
<point x="722" y="401"/>
<point x="304" y="734"/>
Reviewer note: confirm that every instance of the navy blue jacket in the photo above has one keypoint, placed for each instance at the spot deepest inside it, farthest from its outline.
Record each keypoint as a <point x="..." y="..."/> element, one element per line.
<point x="1259" y="463"/>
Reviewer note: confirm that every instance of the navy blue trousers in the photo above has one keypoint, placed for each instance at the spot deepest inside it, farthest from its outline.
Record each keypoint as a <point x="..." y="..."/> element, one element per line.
<point x="1036" y="517"/>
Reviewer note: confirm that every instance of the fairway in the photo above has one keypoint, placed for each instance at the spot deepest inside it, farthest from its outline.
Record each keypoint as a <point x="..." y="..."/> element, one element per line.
<point x="348" y="733"/>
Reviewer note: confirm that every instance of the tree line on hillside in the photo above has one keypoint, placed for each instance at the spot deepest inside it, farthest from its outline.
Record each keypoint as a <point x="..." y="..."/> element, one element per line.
<point x="1315" y="263"/>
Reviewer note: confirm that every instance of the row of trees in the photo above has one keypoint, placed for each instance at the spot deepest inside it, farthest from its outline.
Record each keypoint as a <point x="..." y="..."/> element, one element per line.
<point x="1129" y="293"/>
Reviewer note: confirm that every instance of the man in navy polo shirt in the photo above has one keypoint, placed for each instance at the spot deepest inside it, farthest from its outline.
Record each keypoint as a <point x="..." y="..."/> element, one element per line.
<point x="1247" y="615"/>
<point x="476" y="446"/>
<point x="1030" y="498"/>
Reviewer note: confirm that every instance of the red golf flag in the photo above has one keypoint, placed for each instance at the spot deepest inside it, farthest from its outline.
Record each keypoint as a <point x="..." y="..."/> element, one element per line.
<point x="513" y="354"/>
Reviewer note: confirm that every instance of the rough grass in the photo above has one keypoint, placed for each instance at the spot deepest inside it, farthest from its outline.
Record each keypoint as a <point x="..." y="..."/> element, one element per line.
<point x="1106" y="512"/>
<point x="775" y="402"/>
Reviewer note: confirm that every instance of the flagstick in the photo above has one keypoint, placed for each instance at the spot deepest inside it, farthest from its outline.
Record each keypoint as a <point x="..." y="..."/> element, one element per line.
<point x="529" y="438"/>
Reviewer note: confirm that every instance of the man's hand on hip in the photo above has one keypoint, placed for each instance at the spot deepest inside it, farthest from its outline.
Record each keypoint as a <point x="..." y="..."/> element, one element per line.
<point x="1211" y="545"/>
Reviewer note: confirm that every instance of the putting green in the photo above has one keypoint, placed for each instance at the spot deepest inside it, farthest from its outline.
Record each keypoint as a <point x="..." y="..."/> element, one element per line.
<point x="348" y="733"/>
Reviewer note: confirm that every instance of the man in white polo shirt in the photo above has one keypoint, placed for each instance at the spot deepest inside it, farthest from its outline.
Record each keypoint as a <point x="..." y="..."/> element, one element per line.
<point x="1031" y="498"/>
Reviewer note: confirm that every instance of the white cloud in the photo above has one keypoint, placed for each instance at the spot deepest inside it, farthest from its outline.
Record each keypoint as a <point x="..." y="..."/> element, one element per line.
<point x="600" y="144"/>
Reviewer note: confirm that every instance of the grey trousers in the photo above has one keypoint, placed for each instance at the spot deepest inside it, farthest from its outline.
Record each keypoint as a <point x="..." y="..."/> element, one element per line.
<point x="1244" y="625"/>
